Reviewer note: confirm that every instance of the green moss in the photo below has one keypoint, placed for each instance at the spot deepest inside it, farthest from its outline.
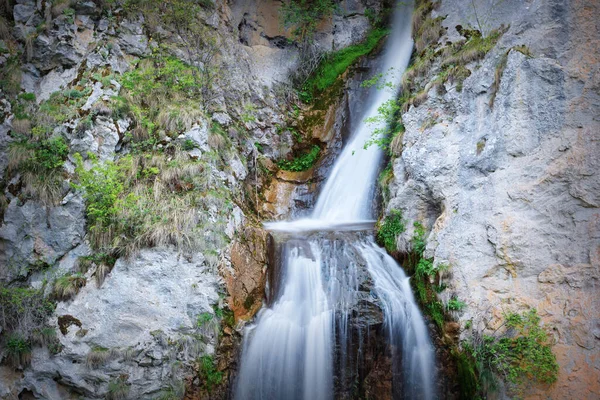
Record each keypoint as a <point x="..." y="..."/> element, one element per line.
<point x="338" y="62"/>
<point x="388" y="230"/>
<point x="467" y="375"/>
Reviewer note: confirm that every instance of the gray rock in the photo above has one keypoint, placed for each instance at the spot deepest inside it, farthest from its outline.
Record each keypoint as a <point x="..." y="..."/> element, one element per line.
<point x="22" y="12"/>
<point x="148" y="305"/>
<point x="31" y="233"/>
<point x="54" y="81"/>
<point x="199" y="135"/>
<point x="133" y="40"/>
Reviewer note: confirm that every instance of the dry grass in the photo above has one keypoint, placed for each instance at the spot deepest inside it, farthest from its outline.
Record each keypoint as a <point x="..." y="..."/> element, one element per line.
<point x="100" y="108"/>
<point x="497" y="78"/>
<point x="47" y="188"/>
<point x="429" y="33"/>
<point x="97" y="357"/>
<point x="217" y="141"/>
<point x="161" y="206"/>
<point x="179" y="118"/>
<point x="4" y="29"/>
<point x="59" y="6"/>
<point x="66" y="287"/>
<point x="21" y="126"/>
<point x="396" y="144"/>
<point x="102" y="270"/>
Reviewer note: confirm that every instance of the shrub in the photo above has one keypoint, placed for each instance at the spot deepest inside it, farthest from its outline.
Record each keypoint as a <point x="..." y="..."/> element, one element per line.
<point x="40" y="163"/>
<point x="522" y="353"/>
<point x="23" y="310"/>
<point x="208" y="373"/>
<point x="456" y="304"/>
<point x="150" y="200"/>
<point x="389" y="229"/>
<point x="19" y="351"/>
<point x="303" y="162"/>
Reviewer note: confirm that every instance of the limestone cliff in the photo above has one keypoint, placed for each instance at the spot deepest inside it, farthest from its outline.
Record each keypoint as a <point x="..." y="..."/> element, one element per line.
<point x="500" y="164"/>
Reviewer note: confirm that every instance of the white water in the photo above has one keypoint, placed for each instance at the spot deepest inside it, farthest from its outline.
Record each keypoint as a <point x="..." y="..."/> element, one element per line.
<point x="289" y="351"/>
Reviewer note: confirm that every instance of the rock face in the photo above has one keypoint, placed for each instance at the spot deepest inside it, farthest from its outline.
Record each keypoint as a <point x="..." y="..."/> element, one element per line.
<point x="138" y="323"/>
<point x="510" y="189"/>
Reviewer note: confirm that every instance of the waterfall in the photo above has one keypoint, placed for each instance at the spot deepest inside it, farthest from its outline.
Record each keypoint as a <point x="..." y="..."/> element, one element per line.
<point x="290" y="350"/>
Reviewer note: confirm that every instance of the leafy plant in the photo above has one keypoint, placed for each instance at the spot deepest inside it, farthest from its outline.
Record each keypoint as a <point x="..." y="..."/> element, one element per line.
<point x="208" y="373"/>
<point x="455" y="304"/>
<point x="19" y="351"/>
<point x="23" y="310"/>
<point x="389" y="229"/>
<point x="522" y="353"/>
<point x="303" y="162"/>
<point x="303" y="16"/>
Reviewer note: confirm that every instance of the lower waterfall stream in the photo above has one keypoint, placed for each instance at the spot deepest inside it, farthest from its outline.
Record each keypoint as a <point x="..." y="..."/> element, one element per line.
<point x="298" y="346"/>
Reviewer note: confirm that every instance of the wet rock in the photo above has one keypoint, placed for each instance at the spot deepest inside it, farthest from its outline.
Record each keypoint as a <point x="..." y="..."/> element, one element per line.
<point x="246" y="279"/>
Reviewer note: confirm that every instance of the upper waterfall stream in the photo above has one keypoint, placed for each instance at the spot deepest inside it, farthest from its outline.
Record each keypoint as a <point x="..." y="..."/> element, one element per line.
<point x="299" y="346"/>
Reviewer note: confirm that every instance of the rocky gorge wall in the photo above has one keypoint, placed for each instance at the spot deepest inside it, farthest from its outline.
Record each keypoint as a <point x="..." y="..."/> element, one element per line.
<point x="500" y="166"/>
<point x="165" y="318"/>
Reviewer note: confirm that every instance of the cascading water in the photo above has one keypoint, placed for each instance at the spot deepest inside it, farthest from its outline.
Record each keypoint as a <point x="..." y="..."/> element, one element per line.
<point x="300" y="341"/>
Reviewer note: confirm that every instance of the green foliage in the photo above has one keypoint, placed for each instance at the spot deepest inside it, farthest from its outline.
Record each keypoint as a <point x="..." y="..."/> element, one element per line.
<point x="102" y="185"/>
<point x="188" y="145"/>
<point x="203" y="319"/>
<point x="27" y="96"/>
<point x="388" y="230"/>
<point x="519" y="355"/>
<point x="162" y="92"/>
<point x="338" y="62"/>
<point x="18" y="350"/>
<point x="23" y="316"/>
<point x="418" y="239"/>
<point x="456" y="305"/>
<point x="524" y="353"/>
<point x="303" y="162"/>
<point x="151" y="199"/>
<point x="208" y="373"/>
<point x="386" y="124"/>
<point x="467" y="374"/>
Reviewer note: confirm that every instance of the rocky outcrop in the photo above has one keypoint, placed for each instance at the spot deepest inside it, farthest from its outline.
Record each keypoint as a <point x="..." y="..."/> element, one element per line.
<point x="509" y="187"/>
